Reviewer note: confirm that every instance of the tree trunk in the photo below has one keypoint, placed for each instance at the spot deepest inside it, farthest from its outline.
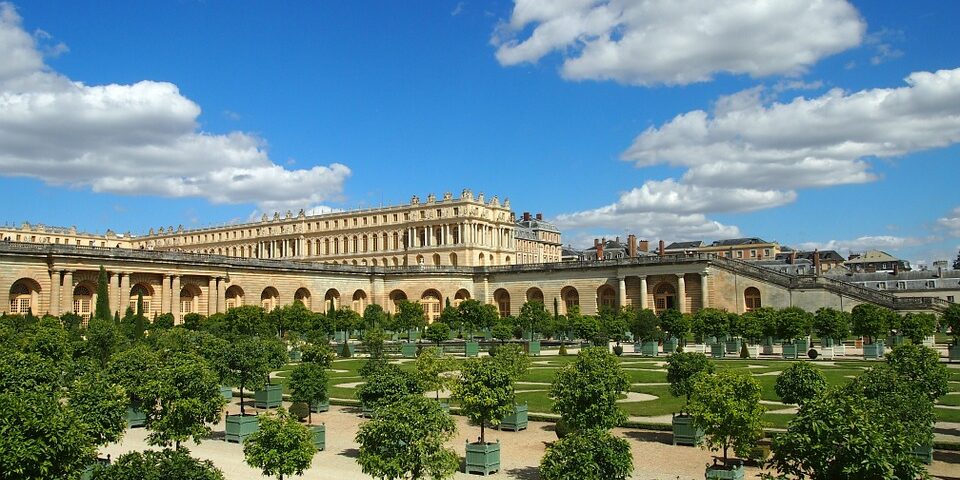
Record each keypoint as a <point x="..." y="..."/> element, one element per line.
<point x="725" y="455"/>
<point x="241" y="400"/>
<point x="482" y="438"/>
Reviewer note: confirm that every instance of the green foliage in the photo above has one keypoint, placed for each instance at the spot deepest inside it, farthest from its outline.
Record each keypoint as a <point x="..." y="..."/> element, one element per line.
<point x="320" y="354"/>
<point x="346" y="320"/>
<point x="951" y="317"/>
<point x="301" y="410"/>
<point x="592" y="454"/>
<point x="800" y="383"/>
<point x="282" y="446"/>
<point x="793" y="323"/>
<point x="166" y="464"/>
<point x="450" y="316"/>
<point x="163" y="322"/>
<point x="51" y="342"/>
<point x="585" y="392"/>
<point x="27" y="372"/>
<point x="831" y="323"/>
<point x="192" y="321"/>
<point x="247" y="320"/>
<point x="247" y="361"/>
<point x="726" y="405"/>
<point x="345" y="350"/>
<point x="681" y="367"/>
<point x="186" y="398"/>
<point x="645" y="325"/>
<point x="588" y="328"/>
<point x="437" y="332"/>
<point x="674" y="323"/>
<point x="477" y="316"/>
<point x="870" y="321"/>
<point x="918" y="326"/>
<point x="295" y="317"/>
<point x="308" y="383"/>
<point x="753" y="324"/>
<point x="102" y="309"/>
<point x="374" y="316"/>
<point x="373" y="342"/>
<point x="713" y="322"/>
<point x="615" y="326"/>
<point x="431" y="366"/>
<point x="485" y="392"/>
<point x="386" y="385"/>
<point x="135" y="370"/>
<point x="502" y="331"/>
<point x="101" y="405"/>
<point x="407" y="440"/>
<point x="533" y="317"/>
<point x="922" y="366"/>
<point x="409" y="316"/>
<point x="563" y="350"/>
<point x="103" y="339"/>
<point x="511" y="359"/>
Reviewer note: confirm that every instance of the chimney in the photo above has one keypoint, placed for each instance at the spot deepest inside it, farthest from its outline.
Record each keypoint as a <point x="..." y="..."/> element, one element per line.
<point x="896" y="268"/>
<point x="793" y="257"/>
<point x="644" y="246"/>
<point x="816" y="261"/>
<point x="632" y="246"/>
<point x="662" y="246"/>
<point x="540" y="216"/>
<point x="526" y="216"/>
<point x="598" y="244"/>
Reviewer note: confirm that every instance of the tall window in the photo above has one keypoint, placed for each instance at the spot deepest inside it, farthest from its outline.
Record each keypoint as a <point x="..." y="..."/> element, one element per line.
<point x="664" y="297"/>
<point x="751" y="298"/>
<point x="20" y="299"/>
<point x="82" y="299"/>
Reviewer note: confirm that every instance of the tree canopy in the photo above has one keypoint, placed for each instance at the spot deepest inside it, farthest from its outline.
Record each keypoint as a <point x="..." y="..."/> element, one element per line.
<point x="799" y="383"/>
<point x="485" y="392"/>
<point x="585" y="392"/>
<point x="726" y="405"/>
<point x="592" y="454"/>
<point x="682" y="367"/>
<point x="282" y="446"/>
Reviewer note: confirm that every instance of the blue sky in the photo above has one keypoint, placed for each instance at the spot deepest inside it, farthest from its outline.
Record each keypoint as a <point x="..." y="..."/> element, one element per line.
<point x="791" y="120"/>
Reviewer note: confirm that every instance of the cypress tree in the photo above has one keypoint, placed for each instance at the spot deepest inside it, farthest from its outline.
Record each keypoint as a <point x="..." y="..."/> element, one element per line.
<point x="102" y="311"/>
<point x="139" y="323"/>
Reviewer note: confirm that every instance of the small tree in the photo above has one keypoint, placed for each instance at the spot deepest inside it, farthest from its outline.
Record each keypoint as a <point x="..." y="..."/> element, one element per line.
<point x="800" y="383"/>
<point x="406" y="440"/>
<point x="870" y="321"/>
<point x="308" y="383"/>
<point x="675" y="324"/>
<point x="139" y="320"/>
<point x="374" y="316"/>
<point x="321" y="354"/>
<point x="751" y="327"/>
<point x="592" y="454"/>
<point x="136" y="371"/>
<point x="477" y="316"/>
<point x="248" y="361"/>
<point x="437" y="332"/>
<point x="282" y="446"/>
<point x="922" y="366"/>
<point x="831" y="323"/>
<point x="164" y="464"/>
<point x="102" y="310"/>
<point x="485" y="393"/>
<point x="409" y="316"/>
<point x="502" y="331"/>
<point x="951" y="317"/>
<point x="918" y="326"/>
<point x="532" y="317"/>
<point x="186" y="399"/>
<point x="103" y="339"/>
<point x="431" y="366"/>
<point x="585" y="392"/>
<point x="714" y="322"/>
<point x="387" y="384"/>
<point x="512" y="360"/>
<point x="645" y="326"/>
<point x="726" y="405"/>
<point x="793" y="323"/>
<point x="101" y="405"/>
<point x="681" y="368"/>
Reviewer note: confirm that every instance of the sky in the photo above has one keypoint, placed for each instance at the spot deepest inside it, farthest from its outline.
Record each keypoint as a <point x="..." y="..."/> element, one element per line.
<point x="817" y="124"/>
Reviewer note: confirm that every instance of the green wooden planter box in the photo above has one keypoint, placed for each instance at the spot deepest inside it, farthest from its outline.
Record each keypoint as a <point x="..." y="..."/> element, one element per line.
<point x="768" y="346"/>
<point x="471" y="349"/>
<point x="953" y="353"/>
<point x="271" y="396"/>
<point x="533" y="348"/>
<point x="87" y="473"/>
<point x="445" y="406"/>
<point x="924" y="453"/>
<point x="339" y="337"/>
<point x="409" y="350"/>
<point x="226" y="392"/>
<point x="685" y="432"/>
<point x="789" y="351"/>
<point x="318" y="407"/>
<point x="239" y="427"/>
<point x="710" y="340"/>
<point x="718" y="472"/>
<point x="803" y="345"/>
<point x="717" y="350"/>
<point x="516" y="421"/>
<point x="647" y="349"/>
<point x="413" y="335"/>
<point x="670" y="345"/>
<point x="135" y="416"/>
<point x="295" y="355"/>
<point x="733" y="346"/>
<point x="826" y="342"/>
<point x="873" y="351"/>
<point x="482" y="458"/>
<point x="896" y="340"/>
<point x="319" y="436"/>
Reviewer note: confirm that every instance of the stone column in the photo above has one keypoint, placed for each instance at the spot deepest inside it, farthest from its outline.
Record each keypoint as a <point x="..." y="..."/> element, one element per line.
<point x="66" y="294"/>
<point x="623" y="291"/>
<point x="165" y="294"/>
<point x="211" y="296"/>
<point x="704" y="290"/>
<point x="55" y="292"/>
<point x="113" y="289"/>
<point x="124" y="291"/>
<point x="643" y="292"/>
<point x="221" y="294"/>
<point x="175" y="299"/>
<point x="681" y="294"/>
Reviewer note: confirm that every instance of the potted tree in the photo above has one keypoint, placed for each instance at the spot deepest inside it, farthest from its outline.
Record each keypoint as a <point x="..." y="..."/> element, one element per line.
<point x="832" y="326"/>
<point x="248" y="361"/>
<point x="135" y="370"/>
<point x="593" y="453"/>
<point x="475" y="316"/>
<point x="799" y="383"/>
<point x="645" y="327"/>
<point x="281" y="447"/>
<point x="384" y="385"/>
<point x="431" y="368"/>
<point x="750" y="327"/>
<point x="409" y="318"/>
<point x="675" y="324"/>
<point x="308" y="384"/>
<point x="922" y="366"/>
<point x="767" y="319"/>
<point x="726" y="405"/>
<point x="872" y="322"/>
<point x="918" y="326"/>
<point x="271" y="395"/>
<point x="437" y="332"/>
<point x="533" y="316"/>
<point x="734" y="333"/>
<point x="714" y="323"/>
<point x="681" y="368"/>
<point x="485" y="394"/>
<point x="187" y="399"/>
<point x="585" y="392"/>
<point x="511" y="359"/>
<point x="951" y="317"/>
<point x="793" y="323"/>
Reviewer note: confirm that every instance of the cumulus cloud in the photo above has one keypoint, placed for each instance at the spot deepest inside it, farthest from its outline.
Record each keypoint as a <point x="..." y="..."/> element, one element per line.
<point x="951" y="222"/>
<point x="860" y="244"/>
<point x="676" y="42"/>
<point x="133" y="139"/>
<point x="750" y="143"/>
<point x="652" y="225"/>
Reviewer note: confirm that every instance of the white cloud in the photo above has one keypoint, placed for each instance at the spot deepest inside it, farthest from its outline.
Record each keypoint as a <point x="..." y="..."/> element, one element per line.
<point x="816" y="142"/>
<point x="668" y="196"/>
<point x="951" y="222"/>
<point x="647" y="42"/>
<point x="860" y="244"/>
<point x="650" y="225"/>
<point x="133" y="139"/>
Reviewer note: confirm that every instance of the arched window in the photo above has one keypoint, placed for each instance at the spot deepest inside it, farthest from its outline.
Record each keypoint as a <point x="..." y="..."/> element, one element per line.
<point x="502" y="298"/>
<point x="396" y="297"/>
<point x="331" y="299"/>
<point x="189" y="300"/>
<point x="234" y="297"/>
<point x="664" y="297"/>
<point x="534" y="294"/>
<point x="359" y="301"/>
<point x="82" y="300"/>
<point x="751" y="298"/>
<point x="460" y="296"/>
<point x="607" y="296"/>
<point x="21" y="298"/>
<point x="142" y="291"/>
<point x="436" y="259"/>
<point x="571" y="298"/>
<point x="431" y="304"/>
<point x="302" y="295"/>
<point x="268" y="299"/>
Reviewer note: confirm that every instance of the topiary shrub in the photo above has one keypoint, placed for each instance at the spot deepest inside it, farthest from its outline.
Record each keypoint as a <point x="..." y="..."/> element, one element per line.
<point x="345" y="350"/>
<point x="743" y="350"/>
<point x="300" y="410"/>
<point x="618" y="350"/>
<point x="563" y="349"/>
